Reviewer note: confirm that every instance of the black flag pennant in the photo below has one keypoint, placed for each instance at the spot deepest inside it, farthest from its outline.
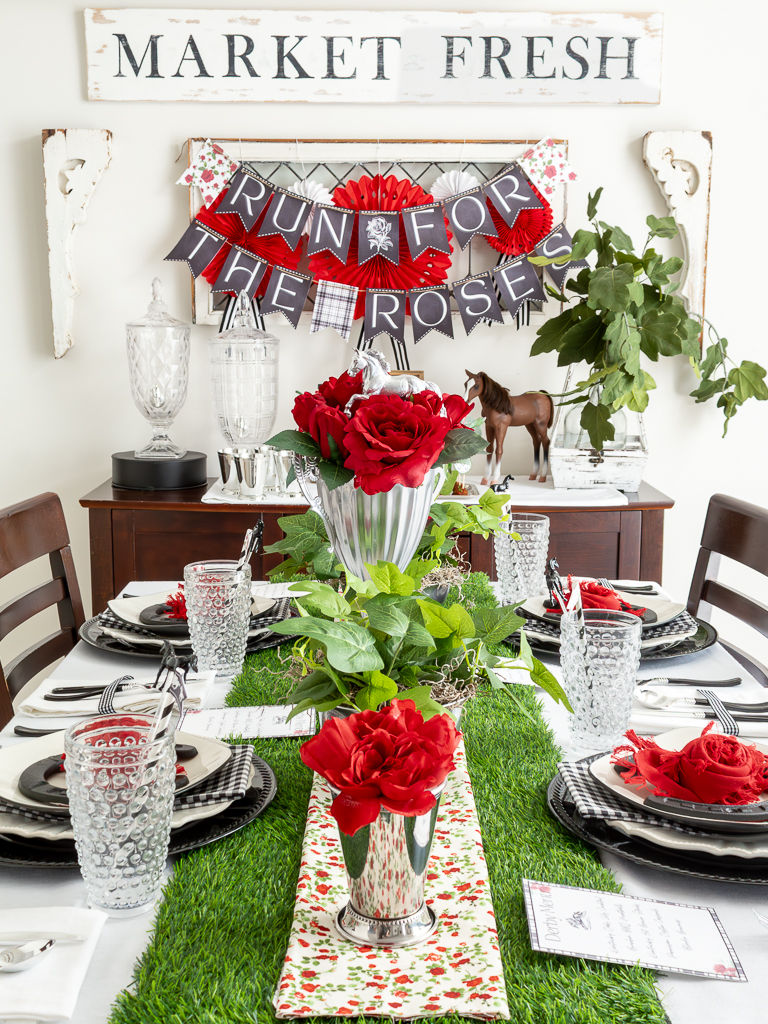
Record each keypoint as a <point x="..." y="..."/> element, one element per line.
<point x="425" y="229"/>
<point x="286" y="216"/>
<point x="510" y="192"/>
<point x="332" y="230"/>
<point x="286" y="293"/>
<point x="196" y="247"/>
<point x="518" y="281"/>
<point x="378" y="234"/>
<point x="469" y="216"/>
<point x="247" y="195"/>
<point x="242" y="272"/>
<point x="476" y="298"/>
<point x="557" y="243"/>
<point x="430" y="311"/>
<point x="384" y="314"/>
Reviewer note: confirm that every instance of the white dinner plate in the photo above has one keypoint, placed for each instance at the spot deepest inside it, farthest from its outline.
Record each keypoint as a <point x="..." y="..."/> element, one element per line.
<point x="665" y="610"/>
<point x="747" y="846"/>
<point x="130" y="608"/>
<point x="211" y="755"/>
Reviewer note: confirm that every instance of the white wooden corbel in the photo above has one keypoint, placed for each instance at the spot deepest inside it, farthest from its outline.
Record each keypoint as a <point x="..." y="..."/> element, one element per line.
<point x="681" y="164"/>
<point x="74" y="160"/>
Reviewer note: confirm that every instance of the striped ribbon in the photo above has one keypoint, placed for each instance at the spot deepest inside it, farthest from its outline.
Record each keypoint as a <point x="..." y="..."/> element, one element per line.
<point x="729" y="724"/>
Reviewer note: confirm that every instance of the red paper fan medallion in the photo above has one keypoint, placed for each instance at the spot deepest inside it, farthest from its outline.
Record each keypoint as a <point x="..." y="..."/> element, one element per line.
<point x="527" y="231"/>
<point x="274" y="249"/>
<point x="379" y="193"/>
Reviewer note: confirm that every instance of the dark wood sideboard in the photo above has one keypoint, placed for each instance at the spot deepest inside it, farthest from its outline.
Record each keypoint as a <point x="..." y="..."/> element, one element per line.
<point x="152" y="535"/>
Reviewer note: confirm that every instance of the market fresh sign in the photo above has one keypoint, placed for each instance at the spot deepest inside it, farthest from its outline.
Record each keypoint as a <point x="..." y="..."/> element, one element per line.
<point x="373" y="56"/>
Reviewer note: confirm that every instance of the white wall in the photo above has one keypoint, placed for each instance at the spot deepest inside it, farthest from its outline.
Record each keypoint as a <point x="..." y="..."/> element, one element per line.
<point x="61" y="420"/>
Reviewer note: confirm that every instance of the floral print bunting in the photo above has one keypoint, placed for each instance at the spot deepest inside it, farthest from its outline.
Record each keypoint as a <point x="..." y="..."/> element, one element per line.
<point x="546" y="165"/>
<point x="210" y="171"/>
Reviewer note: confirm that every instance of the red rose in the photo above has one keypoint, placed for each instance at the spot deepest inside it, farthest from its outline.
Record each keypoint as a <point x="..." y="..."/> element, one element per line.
<point x="325" y="421"/>
<point x="456" y="409"/>
<point x="390" y="758"/>
<point x="337" y="391"/>
<point x="207" y="175"/>
<point x="550" y="171"/>
<point x="303" y="407"/>
<point x="393" y="441"/>
<point x="711" y="769"/>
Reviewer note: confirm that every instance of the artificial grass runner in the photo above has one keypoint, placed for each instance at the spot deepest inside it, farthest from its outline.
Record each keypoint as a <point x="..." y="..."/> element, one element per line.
<point x="222" y="929"/>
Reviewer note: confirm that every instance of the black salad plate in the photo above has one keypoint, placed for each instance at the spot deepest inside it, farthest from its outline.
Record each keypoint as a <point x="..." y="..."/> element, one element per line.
<point x="17" y="851"/>
<point x="92" y="634"/>
<point x="704" y="637"/>
<point x="696" y="864"/>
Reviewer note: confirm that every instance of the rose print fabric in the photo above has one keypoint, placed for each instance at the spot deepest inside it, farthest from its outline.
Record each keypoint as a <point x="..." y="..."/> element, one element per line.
<point x="457" y="970"/>
<point x="210" y="171"/>
<point x="546" y="166"/>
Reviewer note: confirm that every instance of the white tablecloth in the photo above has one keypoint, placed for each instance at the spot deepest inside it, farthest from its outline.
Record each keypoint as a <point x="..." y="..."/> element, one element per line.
<point x="687" y="1000"/>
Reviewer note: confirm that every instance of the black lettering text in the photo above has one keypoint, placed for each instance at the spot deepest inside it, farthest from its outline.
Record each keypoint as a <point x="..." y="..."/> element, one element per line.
<point x="489" y="56"/>
<point x="451" y="55"/>
<point x="232" y="56"/>
<point x="283" y="56"/>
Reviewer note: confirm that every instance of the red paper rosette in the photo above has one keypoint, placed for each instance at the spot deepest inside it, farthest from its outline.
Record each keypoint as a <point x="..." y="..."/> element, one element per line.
<point x="274" y="249"/>
<point x="528" y="230"/>
<point x="379" y="193"/>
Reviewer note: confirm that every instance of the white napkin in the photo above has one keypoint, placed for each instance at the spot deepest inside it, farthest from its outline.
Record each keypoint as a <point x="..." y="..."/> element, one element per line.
<point x="652" y="723"/>
<point x="49" y="990"/>
<point x="198" y="691"/>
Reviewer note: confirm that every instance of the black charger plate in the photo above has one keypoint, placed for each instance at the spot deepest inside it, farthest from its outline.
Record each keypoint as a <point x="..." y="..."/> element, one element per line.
<point x="704" y="637"/>
<point x="17" y="851"/>
<point x="92" y="634"/>
<point x="697" y="864"/>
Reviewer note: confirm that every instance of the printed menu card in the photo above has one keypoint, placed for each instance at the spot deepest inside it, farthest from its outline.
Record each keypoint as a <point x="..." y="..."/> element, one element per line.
<point x="629" y="930"/>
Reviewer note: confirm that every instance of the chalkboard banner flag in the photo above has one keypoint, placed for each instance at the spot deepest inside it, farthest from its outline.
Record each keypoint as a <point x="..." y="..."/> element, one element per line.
<point x="286" y="216"/>
<point x="247" y="195"/>
<point x="430" y="311"/>
<point x="469" y="216"/>
<point x="384" y="314"/>
<point x="476" y="298"/>
<point x="557" y="243"/>
<point x="510" y="192"/>
<point x="425" y="229"/>
<point x="332" y="230"/>
<point x="242" y="272"/>
<point x="196" y="247"/>
<point x="517" y="281"/>
<point x="286" y="293"/>
<point x="378" y="234"/>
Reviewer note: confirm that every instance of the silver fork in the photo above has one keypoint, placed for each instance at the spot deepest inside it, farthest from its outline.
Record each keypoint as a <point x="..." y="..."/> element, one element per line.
<point x="647" y="589"/>
<point x="761" y="918"/>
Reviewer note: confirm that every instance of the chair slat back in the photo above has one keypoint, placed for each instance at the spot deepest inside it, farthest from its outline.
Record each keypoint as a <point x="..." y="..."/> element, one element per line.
<point x="737" y="530"/>
<point x="29" y="530"/>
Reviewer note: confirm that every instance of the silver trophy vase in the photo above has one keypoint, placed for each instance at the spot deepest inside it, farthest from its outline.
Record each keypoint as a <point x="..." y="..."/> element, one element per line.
<point x="368" y="528"/>
<point x="386" y="863"/>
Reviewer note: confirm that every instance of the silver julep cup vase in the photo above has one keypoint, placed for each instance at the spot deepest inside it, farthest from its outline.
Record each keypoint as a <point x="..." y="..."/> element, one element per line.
<point x="386" y="863"/>
<point x="368" y="528"/>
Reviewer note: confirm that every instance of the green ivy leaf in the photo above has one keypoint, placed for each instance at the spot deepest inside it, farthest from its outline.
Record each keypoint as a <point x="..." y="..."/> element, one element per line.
<point x="334" y="475"/>
<point x="661" y="227"/>
<point x="542" y="677"/>
<point x="526" y="655"/>
<point x="580" y="283"/>
<point x="321" y="599"/>
<point x="747" y="382"/>
<point x="325" y="564"/>
<point x="389" y="579"/>
<point x="494" y="625"/>
<point x="304" y="536"/>
<point x="446" y="622"/>
<point x="608" y="287"/>
<point x="592" y="202"/>
<point x="386" y="614"/>
<point x="619" y="239"/>
<point x="584" y="242"/>
<point x="595" y="420"/>
<point x="421" y="697"/>
<point x="638" y="396"/>
<point x="296" y="441"/>
<point x="418" y="568"/>
<point x="550" y="335"/>
<point x="584" y="341"/>
<point x="349" y="647"/>
<point x="658" y="335"/>
<point x="636" y="293"/>
<point x="493" y="503"/>
<point x="553" y="292"/>
<point x="708" y="389"/>
<point x="460" y="444"/>
<point x="379" y="690"/>
<point x="715" y="358"/>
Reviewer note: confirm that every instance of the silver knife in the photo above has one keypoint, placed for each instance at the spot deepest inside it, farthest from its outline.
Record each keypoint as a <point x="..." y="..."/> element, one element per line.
<point x="667" y="681"/>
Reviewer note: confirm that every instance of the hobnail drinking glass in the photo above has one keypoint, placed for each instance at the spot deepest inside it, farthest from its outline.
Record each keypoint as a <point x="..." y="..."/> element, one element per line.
<point x="121" y="789"/>
<point x="218" y="597"/>
<point x="599" y="659"/>
<point x="520" y="564"/>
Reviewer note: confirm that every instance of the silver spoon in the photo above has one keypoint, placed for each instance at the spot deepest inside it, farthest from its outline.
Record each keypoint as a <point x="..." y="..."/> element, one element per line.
<point x="21" y="958"/>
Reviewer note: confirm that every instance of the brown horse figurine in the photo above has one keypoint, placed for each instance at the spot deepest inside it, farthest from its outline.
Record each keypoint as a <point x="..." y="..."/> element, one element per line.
<point x="534" y="411"/>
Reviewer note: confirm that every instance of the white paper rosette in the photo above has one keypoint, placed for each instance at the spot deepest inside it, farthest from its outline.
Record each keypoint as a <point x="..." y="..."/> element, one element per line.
<point x="451" y="183"/>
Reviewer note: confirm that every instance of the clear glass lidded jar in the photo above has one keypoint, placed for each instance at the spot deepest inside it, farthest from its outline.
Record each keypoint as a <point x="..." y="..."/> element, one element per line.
<point x="158" y="361"/>
<point x="244" y="379"/>
<point x="575" y="436"/>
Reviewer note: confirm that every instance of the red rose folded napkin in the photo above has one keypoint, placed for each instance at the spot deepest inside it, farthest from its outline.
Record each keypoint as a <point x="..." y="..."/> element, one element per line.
<point x="710" y="769"/>
<point x="595" y="596"/>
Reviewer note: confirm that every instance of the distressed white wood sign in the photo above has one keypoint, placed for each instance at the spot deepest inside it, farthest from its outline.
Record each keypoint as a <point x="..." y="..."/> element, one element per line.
<point x="74" y="160"/>
<point x="373" y="56"/>
<point x="681" y="164"/>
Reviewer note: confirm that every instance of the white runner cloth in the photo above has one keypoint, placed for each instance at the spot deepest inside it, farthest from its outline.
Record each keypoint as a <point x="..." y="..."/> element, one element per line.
<point x="458" y="970"/>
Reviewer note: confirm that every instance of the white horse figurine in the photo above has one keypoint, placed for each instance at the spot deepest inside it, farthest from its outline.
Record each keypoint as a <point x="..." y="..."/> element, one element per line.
<point x="378" y="381"/>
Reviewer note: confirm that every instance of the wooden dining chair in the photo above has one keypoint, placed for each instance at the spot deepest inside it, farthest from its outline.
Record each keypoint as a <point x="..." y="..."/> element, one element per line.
<point x="739" y="531"/>
<point x="29" y="530"/>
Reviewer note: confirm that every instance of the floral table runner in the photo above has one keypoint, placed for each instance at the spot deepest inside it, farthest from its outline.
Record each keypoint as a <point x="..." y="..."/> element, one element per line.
<point x="457" y="970"/>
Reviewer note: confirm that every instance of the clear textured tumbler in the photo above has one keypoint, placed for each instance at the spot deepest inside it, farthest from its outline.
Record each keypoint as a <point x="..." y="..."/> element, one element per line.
<point x="218" y="596"/>
<point x="599" y="659"/>
<point x="121" y="789"/>
<point x="521" y="564"/>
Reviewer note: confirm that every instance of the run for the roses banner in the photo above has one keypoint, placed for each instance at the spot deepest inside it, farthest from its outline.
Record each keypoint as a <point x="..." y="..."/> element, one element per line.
<point x="373" y="56"/>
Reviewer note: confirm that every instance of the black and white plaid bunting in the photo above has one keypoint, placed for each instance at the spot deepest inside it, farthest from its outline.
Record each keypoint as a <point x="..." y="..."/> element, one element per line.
<point x="334" y="307"/>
